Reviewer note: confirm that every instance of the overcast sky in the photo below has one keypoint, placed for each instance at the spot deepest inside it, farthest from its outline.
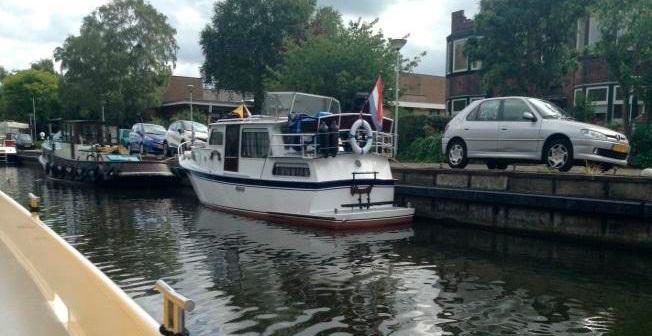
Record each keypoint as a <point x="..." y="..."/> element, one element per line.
<point x="31" y="29"/>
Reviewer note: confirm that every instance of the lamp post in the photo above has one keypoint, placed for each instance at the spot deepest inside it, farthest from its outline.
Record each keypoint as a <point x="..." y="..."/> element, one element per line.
<point x="192" y="121"/>
<point x="34" y="116"/>
<point x="396" y="44"/>
<point x="104" y="95"/>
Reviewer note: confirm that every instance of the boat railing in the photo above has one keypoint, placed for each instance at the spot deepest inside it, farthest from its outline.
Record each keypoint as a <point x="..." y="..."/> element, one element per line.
<point x="308" y="146"/>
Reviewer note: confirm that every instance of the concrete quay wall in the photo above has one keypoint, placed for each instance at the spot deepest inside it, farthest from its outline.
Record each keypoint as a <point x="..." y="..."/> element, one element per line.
<point x="614" y="209"/>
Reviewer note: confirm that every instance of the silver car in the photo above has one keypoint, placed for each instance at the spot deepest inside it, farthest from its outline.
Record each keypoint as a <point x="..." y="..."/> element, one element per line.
<point x="511" y="129"/>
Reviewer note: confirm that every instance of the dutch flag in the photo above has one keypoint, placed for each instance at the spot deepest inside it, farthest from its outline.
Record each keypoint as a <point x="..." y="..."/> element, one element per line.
<point x="376" y="103"/>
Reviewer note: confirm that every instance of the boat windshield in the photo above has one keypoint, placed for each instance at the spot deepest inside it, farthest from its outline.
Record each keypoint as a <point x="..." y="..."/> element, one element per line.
<point x="153" y="129"/>
<point x="283" y="103"/>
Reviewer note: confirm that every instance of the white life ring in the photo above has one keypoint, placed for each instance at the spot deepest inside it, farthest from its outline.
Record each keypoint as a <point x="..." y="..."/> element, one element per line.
<point x="353" y="140"/>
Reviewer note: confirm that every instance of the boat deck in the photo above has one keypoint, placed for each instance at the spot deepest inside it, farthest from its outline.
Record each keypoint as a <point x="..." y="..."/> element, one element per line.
<point x="24" y="310"/>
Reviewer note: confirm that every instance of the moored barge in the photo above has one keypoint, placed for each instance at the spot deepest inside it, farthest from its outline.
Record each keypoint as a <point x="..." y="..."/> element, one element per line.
<point x="88" y="151"/>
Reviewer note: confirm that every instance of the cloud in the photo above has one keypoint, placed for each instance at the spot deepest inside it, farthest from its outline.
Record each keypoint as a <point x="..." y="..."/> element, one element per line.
<point x="31" y="29"/>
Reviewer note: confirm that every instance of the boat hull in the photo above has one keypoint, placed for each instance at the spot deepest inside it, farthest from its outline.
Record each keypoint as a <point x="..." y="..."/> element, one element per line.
<point x="317" y="205"/>
<point x="104" y="172"/>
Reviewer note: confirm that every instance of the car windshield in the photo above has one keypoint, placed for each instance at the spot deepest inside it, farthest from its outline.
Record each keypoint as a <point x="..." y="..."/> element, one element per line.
<point x="198" y="127"/>
<point x="548" y="110"/>
<point x="24" y="137"/>
<point x="153" y="129"/>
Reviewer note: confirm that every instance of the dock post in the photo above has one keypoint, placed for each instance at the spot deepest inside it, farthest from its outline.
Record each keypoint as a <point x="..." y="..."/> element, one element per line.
<point x="34" y="202"/>
<point x="174" y="307"/>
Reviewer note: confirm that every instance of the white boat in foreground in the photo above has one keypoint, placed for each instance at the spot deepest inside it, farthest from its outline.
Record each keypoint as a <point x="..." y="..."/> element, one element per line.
<point x="302" y="162"/>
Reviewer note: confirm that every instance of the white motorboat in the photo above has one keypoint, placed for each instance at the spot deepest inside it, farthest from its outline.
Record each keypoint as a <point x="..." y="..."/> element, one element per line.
<point x="301" y="161"/>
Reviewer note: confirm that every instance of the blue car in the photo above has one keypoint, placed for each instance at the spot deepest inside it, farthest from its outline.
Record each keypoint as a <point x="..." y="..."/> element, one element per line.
<point x="148" y="138"/>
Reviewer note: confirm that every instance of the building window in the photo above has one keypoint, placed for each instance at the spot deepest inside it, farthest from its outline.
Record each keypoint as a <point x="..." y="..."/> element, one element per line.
<point x="255" y="143"/>
<point x="618" y="103"/>
<point x="291" y="169"/>
<point x="598" y="97"/>
<point x="460" y="61"/>
<point x="576" y="94"/>
<point x="580" y="39"/>
<point x="449" y="53"/>
<point x="594" y="32"/>
<point x="216" y="139"/>
<point x="458" y="105"/>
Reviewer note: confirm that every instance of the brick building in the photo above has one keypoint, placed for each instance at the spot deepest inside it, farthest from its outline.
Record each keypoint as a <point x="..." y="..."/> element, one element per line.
<point x="591" y="78"/>
<point x="213" y="103"/>
<point x="422" y="94"/>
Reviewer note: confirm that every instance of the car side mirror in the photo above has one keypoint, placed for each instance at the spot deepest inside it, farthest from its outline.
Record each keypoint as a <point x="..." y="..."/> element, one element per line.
<point x="529" y="116"/>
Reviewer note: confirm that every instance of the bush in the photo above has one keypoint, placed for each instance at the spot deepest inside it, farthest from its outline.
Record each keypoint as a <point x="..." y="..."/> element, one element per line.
<point x="641" y="142"/>
<point x="583" y="110"/>
<point x="425" y="149"/>
<point x="417" y="127"/>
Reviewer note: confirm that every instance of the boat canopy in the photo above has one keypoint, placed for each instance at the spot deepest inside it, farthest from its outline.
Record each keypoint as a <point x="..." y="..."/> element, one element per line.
<point x="281" y="104"/>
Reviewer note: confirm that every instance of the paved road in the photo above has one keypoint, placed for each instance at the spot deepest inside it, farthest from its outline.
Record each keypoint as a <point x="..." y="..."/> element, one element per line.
<point x="537" y="168"/>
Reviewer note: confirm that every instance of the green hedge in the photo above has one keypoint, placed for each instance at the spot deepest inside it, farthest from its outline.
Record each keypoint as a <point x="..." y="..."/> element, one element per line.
<point x="420" y="137"/>
<point x="641" y="142"/>
<point x="425" y="149"/>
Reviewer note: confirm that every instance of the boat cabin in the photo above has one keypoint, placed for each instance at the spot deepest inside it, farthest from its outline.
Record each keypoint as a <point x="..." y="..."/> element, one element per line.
<point x="292" y="125"/>
<point x="82" y="139"/>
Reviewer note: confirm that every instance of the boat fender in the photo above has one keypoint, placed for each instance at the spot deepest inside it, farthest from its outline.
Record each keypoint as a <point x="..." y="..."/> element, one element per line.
<point x="91" y="175"/>
<point x="79" y="173"/>
<point x="217" y="154"/>
<point x="323" y="139"/>
<point x="334" y="138"/>
<point x="355" y="138"/>
<point x="109" y="174"/>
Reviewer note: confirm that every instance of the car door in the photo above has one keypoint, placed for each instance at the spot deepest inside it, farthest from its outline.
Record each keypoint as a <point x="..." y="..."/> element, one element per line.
<point x="518" y="137"/>
<point x="480" y="129"/>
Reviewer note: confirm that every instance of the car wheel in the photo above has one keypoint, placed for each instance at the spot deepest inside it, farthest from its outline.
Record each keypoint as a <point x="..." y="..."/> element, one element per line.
<point x="456" y="154"/>
<point x="559" y="154"/>
<point x="491" y="164"/>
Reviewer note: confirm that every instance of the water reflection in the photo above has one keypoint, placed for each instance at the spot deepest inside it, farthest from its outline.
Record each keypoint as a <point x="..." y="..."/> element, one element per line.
<point x="251" y="277"/>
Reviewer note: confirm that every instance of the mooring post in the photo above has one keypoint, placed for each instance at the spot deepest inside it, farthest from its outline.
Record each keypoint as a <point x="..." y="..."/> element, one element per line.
<point x="174" y="307"/>
<point x="34" y="202"/>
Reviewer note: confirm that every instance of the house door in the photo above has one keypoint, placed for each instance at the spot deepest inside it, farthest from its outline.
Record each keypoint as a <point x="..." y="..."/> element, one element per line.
<point x="231" y="148"/>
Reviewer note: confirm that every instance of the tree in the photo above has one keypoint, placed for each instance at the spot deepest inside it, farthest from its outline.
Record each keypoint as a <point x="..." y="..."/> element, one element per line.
<point x="340" y="63"/>
<point x="3" y="74"/>
<point x="524" y="45"/>
<point x="245" y="37"/>
<point x="123" y="58"/>
<point x="18" y="90"/>
<point x="44" y="64"/>
<point x="626" y="27"/>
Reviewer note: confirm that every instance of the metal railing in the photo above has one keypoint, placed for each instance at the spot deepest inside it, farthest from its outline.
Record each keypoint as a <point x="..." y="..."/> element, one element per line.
<point x="307" y="146"/>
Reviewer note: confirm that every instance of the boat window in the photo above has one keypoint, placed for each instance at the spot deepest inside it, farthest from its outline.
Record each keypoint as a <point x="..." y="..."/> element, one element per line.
<point x="217" y="138"/>
<point x="255" y="143"/>
<point x="291" y="169"/>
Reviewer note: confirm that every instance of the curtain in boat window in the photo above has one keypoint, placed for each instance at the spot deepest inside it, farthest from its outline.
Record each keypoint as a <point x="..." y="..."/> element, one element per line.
<point x="255" y="143"/>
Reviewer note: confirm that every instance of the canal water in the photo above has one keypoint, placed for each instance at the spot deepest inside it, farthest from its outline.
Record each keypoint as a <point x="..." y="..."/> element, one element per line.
<point x="251" y="277"/>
